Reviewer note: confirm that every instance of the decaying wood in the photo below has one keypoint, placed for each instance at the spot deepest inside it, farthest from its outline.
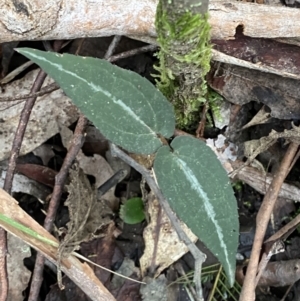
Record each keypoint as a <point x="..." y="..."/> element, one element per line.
<point x="280" y="94"/>
<point x="265" y="55"/>
<point x="277" y="273"/>
<point x="281" y="273"/>
<point x="69" y="19"/>
<point x="260" y="182"/>
<point x="258" y="21"/>
<point x="227" y="59"/>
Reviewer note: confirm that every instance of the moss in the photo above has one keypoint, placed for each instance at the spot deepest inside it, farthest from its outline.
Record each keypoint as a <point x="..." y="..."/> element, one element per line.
<point x="184" y="60"/>
<point x="214" y="101"/>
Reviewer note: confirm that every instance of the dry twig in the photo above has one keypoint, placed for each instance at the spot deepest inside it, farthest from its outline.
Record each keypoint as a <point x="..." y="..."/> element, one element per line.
<point x="262" y="220"/>
<point x="132" y="52"/>
<point x="60" y="179"/>
<point x="15" y="151"/>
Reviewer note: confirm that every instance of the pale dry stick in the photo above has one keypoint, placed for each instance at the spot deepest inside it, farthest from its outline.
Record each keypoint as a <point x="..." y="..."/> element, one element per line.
<point x="262" y="220"/>
<point x="182" y="273"/>
<point x="196" y="253"/>
<point x="277" y="247"/>
<point x="260" y="182"/>
<point x="112" y="47"/>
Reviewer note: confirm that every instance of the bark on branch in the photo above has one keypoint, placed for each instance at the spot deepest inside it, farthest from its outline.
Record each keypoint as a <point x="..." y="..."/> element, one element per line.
<point x="70" y="19"/>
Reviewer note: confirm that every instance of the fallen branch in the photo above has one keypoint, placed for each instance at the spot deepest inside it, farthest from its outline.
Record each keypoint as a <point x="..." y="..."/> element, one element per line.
<point x="261" y="182"/>
<point x="76" y="19"/>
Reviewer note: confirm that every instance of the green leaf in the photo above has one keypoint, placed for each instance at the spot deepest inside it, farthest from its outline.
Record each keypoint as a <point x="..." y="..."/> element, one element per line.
<point x="132" y="212"/>
<point x="199" y="191"/>
<point x="124" y="106"/>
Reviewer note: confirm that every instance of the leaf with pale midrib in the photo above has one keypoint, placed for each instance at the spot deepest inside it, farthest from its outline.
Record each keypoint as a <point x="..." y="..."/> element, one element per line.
<point x="124" y="106"/>
<point x="198" y="190"/>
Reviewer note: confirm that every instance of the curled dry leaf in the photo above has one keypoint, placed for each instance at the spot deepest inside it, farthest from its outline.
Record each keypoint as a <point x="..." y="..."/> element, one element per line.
<point x="87" y="215"/>
<point x="254" y="147"/>
<point x="41" y="174"/>
<point x="95" y="166"/>
<point x="45" y="152"/>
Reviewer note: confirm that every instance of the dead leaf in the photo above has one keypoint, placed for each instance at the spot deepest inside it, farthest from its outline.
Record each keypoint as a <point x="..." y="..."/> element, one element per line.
<point x="39" y="173"/>
<point x="254" y="147"/>
<point x="48" y="113"/>
<point x="281" y="273"/>
<point x="18" y="274"/>
<point x="125" y="289"/>
<point x="87" y="215"/>
<point x="127" y="269"/>
<point x="103" y="251"/>
<point x="269" y="53"/>
<point x="155" y="289"/>
<point x="241" y="85"/>
<point x="23" y="184"/>
<point x="116" y="163"/>
<point x="159" y="235"/>
<point x="45" y="152"/>
<point x="145" y="160"/>
<point x="261" y="117"/>
<point x="95" y="166"/>
<point x="95" y="142"/>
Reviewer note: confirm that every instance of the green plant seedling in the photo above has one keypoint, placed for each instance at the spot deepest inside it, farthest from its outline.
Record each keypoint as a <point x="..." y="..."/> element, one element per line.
<point x="132" y="212"/>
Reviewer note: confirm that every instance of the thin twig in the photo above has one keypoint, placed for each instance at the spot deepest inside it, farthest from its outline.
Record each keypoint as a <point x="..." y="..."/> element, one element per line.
<point x="48" y="89"/>
<point x="132" y="52"/>
<point x="60" y="179"/>
<point x="182" y="273"/>
<point x="276" y="248"/>
<point x="287" y="292"/>
<point x="112" y="47"/>
<point x="262" y="220"/>
<point x="14" y="154"/>
<point x="17" y="142"/>
<point x="197" y="254"/>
